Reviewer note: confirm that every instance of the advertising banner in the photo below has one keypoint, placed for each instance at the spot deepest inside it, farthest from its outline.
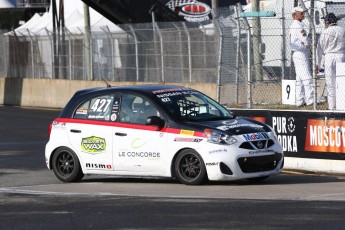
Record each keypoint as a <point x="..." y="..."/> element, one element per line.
<point x="318" y="135"/>
<point x="140" y="11"/>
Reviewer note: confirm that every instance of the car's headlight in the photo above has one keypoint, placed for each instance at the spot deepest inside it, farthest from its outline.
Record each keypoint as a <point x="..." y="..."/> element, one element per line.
<point x="219" y="138"/>
<point x="274" y="133"/>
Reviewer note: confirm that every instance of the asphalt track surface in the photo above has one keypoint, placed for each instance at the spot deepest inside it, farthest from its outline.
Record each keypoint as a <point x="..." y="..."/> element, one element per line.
<point x="32" y="198"/>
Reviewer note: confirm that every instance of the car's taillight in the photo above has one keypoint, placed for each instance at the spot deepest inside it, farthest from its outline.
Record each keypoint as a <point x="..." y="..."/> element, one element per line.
<point x="50" y="128"/>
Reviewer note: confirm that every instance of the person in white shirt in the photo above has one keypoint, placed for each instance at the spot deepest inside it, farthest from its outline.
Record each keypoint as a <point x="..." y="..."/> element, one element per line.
<point x="101" y="63"/>
<point x="300" y="47"/>
<point x="330" y="50"/>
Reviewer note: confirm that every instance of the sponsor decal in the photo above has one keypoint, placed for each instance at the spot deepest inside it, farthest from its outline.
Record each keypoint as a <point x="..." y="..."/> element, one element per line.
<point x="227" y="127"/>
<point x="230" y="122"/>
<point x="113" y="117"/>
<point x="256" y="136"/>
<point x="98" y="166"/>
<point x="134" y="154"/>
<point x="260" y="151"/>
<point x="101" y="105"/>
<point x="166" y="90"/>
<point x="212" y="164"/>
<point x="93" y="144"/>
<point x="186" y="139"/>
<point x="191" y="10"/>
<point x="81" y="111"/>
<point x="285" y="130"/>
<point x="138" y="143"/>
<point x="325" y="136"/>
<point x="59" y="125"/>
<point x="96" y="117"/>
<point x="218" y="151"/>
<point x="187" y="132"/>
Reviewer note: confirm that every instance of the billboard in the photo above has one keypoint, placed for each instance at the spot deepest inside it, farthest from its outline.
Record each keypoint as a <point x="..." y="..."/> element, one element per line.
<point x="317" y="135"/>
<point x="140" y="11"/>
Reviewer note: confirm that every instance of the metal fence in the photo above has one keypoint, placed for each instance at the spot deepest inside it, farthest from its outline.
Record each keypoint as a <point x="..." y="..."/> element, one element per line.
<point x="169" y="52"/>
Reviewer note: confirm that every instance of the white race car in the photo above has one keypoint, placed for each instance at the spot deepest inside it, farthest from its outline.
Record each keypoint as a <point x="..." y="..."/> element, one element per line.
<point x="158" y="131"/>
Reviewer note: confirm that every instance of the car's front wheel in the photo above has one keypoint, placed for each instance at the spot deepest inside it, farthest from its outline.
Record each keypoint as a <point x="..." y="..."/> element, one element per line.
<point x="190" y="168"/>
<point x="66" y="165"/>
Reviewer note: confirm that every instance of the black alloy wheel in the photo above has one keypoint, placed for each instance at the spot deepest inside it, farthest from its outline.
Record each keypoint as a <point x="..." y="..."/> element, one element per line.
<point x="66" y="165"/>
<point x="190" y="168"/>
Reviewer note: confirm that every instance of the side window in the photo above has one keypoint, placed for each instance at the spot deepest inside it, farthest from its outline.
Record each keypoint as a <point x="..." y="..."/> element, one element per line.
<point x="135" y="109"/>
<point x="97" y="108"/>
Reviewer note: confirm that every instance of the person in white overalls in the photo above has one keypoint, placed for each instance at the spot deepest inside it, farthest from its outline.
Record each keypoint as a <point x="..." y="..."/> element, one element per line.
<point x="300" y="44"/>
<point x="330" y="50"/>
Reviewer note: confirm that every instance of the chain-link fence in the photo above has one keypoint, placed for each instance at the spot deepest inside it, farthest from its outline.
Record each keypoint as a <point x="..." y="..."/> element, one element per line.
<point x="175" y="52"/>
<point x="266" y="73"/>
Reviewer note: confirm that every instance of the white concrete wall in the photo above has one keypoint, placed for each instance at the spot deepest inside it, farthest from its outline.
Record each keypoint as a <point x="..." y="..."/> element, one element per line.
<point x="49" y="93"/>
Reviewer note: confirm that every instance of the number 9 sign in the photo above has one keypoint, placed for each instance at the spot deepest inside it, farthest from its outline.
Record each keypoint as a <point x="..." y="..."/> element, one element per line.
<point x="289" y="92"/>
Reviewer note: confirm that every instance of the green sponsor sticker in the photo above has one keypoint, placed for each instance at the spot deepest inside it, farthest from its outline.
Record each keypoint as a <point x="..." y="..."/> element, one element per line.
<point x="93" y="144"/>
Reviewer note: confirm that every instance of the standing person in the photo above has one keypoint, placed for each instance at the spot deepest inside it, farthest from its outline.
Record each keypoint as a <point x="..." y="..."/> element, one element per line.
<point x="330" y="50"/>
<point x="101" y="65"/>
<point x="300" y="45"/>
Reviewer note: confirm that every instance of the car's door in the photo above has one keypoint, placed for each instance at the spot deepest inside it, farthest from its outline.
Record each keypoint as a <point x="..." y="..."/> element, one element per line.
<point x="90" y="132"/>
<point x="137" y="146"/>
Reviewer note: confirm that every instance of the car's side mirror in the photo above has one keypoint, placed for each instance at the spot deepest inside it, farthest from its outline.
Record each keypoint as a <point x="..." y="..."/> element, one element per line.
<point x="155" y="121"/>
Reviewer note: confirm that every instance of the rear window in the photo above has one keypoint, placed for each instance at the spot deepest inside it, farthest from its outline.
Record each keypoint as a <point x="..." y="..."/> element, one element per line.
<point x="97" y="108"/>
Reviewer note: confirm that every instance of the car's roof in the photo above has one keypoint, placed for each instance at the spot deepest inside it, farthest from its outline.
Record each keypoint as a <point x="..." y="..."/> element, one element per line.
<point x="144" y="89"/>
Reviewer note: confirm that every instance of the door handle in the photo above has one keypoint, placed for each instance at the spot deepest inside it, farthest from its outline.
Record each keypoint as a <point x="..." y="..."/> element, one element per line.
<point x="121" y="134"/>
<point x="75" y="131"/>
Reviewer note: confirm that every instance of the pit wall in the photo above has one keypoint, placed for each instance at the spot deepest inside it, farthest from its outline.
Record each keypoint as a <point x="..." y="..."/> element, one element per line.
<point x="312" y="141"/>
<point x="55" y="93"/>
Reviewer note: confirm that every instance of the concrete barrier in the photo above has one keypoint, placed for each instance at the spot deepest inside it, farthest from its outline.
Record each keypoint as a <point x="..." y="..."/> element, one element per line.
<point x="55" y="93"/>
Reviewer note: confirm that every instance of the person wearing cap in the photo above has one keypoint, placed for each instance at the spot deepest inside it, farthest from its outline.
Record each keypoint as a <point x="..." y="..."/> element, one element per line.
<point x="300" y="47"/>
<point x="330" y="50"/>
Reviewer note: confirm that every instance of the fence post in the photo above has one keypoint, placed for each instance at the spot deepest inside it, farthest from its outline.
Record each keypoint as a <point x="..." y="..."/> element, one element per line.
<point x="106" y="30"/>
<point x="238" y="46"/>
<point x="87" y="29"/>
<point x="136" y="53"/>
<point x="283" y="50"/>
<point x="181" y="50"/>
<point x="249" y="83"/>
<point x="32" y="55"/>
<point x="51" y="52"/>
<point x="189" y="52"/>
<point x="5" y="48"/>
<point x="71" y="72"/>
<point x="162" y="51"/>
<point x="219" y="56"/>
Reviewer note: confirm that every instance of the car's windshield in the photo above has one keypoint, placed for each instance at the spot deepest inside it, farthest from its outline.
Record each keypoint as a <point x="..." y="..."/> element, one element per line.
<point x="190" y="105"/>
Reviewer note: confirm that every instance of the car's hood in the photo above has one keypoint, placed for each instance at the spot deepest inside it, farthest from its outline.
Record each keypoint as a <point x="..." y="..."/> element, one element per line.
<point x="236" y="126"/>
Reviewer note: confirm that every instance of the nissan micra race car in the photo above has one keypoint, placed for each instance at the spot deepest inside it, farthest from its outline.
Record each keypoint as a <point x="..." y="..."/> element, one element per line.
<point x="158" y="131"/>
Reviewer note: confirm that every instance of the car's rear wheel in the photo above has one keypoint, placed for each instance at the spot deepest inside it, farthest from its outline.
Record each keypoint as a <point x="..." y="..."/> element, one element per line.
<point x="66" y="165"/>
<point x="190" y="168"/>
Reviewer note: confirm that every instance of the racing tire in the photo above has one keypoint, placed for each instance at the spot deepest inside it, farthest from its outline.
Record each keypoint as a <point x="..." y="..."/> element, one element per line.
<point x="190" y="168"/>
<point x="66" y="166"/>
